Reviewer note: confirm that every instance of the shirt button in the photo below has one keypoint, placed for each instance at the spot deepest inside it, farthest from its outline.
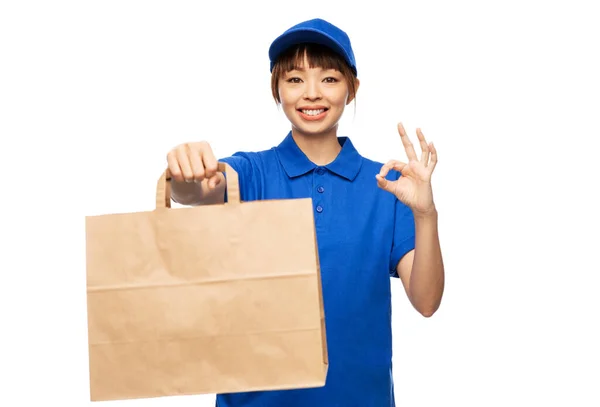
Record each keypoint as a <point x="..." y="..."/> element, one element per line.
<point x="320" y="189"/>
<point x="319" y="209"/>
<point x="320" y="171"/>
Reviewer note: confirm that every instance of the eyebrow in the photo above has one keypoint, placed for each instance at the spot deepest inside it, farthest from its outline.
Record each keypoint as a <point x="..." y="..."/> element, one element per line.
<point x="302" y="69"/>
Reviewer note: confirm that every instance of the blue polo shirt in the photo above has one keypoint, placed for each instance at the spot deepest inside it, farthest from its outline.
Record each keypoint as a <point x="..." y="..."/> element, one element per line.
<point x="362" y="233"/>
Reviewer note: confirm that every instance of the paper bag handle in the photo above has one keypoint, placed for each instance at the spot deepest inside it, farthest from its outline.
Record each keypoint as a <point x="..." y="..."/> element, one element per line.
<point x="163" y="188"/>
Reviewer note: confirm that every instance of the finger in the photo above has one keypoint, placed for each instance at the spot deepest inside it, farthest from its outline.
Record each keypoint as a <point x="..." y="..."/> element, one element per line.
<point x="214" y="180"/>
<point x="173" y="166"/>
<point x="408" y="146"/>
<point x="384" y="183"/>
<point x="184" y="164"/>
<point x="196" y="164"/>
<point x="424" y="148"/>
<point x="385" y="168"/>
<point x="209" y="160"/>
<point x="392" y="165"/>
<point x="434" y="157"/>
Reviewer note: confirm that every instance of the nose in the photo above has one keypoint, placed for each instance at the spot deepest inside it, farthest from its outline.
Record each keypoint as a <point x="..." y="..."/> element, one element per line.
<point x="312" y="90"/>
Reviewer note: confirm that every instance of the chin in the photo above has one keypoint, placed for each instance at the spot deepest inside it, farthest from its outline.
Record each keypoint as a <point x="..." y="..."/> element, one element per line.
<point x="314" y="130"/>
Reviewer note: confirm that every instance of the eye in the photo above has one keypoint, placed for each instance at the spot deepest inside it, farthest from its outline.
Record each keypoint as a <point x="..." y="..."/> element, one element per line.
<point x="330" y="79"/>
<point x="294" y="80"/>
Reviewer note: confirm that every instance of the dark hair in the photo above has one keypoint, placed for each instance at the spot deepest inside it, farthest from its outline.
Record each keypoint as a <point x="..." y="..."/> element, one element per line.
<point x="318" y="56"/>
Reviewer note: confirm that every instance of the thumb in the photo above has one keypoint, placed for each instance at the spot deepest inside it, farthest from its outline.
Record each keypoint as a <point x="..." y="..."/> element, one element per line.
<point x="214" y="181"/>
<point x="384" y="183"/>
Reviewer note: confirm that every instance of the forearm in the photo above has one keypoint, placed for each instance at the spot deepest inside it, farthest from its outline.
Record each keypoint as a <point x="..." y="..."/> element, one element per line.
<point x="427" y="275"/>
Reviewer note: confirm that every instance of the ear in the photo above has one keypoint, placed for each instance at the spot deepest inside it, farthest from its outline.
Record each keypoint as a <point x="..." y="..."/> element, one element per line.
<point x="356" y="86"/>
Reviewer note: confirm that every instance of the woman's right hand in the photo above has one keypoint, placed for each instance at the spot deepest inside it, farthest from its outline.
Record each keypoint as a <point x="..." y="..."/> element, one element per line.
<point x="193" y="162"/>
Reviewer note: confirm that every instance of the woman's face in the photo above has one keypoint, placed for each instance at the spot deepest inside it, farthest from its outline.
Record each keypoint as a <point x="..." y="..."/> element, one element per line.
<point x="313" y="99"/>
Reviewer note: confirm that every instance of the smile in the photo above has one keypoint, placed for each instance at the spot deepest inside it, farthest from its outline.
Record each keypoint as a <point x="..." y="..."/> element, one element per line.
<point x="313" y="114"/>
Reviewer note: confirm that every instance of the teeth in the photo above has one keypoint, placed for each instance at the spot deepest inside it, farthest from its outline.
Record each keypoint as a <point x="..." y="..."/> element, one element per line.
<point x="313" y="112"/>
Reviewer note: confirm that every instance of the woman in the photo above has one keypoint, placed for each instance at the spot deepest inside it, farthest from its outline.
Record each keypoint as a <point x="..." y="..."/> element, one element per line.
<point x="372" y="220"/>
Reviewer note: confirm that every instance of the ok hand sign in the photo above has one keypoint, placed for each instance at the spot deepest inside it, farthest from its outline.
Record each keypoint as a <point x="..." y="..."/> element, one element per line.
<point x="413" y="187"/>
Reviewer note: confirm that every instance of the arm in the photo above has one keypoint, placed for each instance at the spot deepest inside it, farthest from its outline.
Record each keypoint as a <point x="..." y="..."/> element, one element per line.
<point x="422" y="270"/>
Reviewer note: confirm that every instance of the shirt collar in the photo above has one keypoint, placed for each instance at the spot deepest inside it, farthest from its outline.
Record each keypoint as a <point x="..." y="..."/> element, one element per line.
<point x="296" y="163"/>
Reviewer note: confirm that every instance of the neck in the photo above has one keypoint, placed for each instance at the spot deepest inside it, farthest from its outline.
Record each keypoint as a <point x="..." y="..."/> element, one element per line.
<point x="321" y="149"/>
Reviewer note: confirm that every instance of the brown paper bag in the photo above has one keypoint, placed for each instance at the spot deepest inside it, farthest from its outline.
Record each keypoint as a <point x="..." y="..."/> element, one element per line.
<point x="209" y="299"/>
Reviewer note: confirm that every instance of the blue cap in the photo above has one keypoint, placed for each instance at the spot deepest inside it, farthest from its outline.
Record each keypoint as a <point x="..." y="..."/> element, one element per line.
<point x="315" y="31"/>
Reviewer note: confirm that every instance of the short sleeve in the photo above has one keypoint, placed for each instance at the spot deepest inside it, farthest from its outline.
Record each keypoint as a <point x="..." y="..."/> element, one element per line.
<point x="243" y="165"/>
<point x="404" y="235"/>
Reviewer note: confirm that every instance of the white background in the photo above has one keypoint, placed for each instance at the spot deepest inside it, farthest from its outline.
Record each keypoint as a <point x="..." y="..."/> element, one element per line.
<point x="94" y="93"/>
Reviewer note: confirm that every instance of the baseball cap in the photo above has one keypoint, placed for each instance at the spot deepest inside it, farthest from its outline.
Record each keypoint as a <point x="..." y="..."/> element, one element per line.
<point x="316" y="31"/>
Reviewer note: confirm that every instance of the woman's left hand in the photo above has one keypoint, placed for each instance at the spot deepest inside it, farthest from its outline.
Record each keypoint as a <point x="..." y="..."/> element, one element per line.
<point x="413" y="187"/>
